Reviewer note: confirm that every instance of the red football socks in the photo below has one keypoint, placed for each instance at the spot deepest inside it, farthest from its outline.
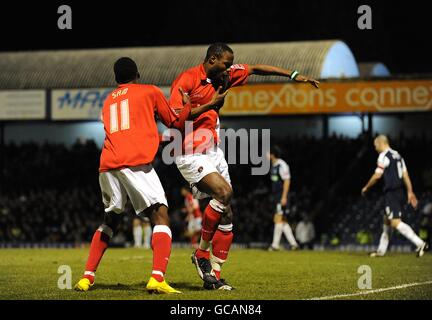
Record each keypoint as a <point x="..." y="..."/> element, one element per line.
<point x="210" y="222"/>
<point x="161" y="245"/>
<point x="97" y="248"/>
<point x="221" y="245"/>
<point x="217" y="274"/>
<point x="200" y="253"/>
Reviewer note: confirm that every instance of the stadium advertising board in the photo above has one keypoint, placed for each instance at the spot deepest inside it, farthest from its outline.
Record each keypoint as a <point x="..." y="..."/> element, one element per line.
<point x="274" y="99"/>
<point x="78" y="104"/>
<point x="81" y="104"/>
<point x="336" y="97"/>
<point x="22" y="105"/>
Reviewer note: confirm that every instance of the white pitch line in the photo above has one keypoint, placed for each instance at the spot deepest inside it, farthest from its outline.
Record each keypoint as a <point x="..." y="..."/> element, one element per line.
<point x="402" y="286"/>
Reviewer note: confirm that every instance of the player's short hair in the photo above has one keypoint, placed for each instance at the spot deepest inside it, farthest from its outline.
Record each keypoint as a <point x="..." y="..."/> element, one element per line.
<point x="276" y="151"/>
<point x="217" y="49"/>
<point x="382" y="138"/>
<point x="125" y="70"/>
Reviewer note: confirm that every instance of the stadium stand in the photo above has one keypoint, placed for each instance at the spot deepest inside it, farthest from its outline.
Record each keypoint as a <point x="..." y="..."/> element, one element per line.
<point x="57" y="199"/>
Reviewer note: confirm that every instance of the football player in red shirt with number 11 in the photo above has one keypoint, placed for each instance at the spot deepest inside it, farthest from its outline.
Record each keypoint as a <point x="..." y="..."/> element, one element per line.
<point x="131" y="143"/>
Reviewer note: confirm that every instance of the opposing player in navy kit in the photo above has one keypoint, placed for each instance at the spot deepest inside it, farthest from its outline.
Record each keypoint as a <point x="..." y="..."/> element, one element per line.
<point x="392" y="168"/>
<point x="280" y="179"/>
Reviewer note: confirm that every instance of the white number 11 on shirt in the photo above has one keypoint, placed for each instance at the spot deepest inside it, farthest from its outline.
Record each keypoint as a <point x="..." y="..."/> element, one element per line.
<point x="124" y="116"/>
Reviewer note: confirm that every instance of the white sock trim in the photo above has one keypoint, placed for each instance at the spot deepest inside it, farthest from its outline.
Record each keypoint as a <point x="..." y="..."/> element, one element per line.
<point x="225" y="227"/>
<point x="158" y="273"/>
<point x="89" y="273"/>
<point x="216" y="263"/>
<point x="217" y="260"/>
<point x="217" y="206"/>
<point x="162" y="228"/>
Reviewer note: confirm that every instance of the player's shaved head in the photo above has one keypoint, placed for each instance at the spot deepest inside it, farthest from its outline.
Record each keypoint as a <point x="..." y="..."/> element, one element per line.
<point x="125" y="70"/>
<point x="382" y="139"/>
<point x="381" y="143"/>
<point x="217" y="50"/>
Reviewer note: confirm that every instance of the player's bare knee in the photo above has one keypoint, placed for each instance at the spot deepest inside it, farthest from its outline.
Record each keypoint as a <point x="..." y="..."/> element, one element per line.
<point x="160" y="215"/>
<point x="110" y="223"/>
<point x="224" y="194"/>
<point x="160" y="220"/>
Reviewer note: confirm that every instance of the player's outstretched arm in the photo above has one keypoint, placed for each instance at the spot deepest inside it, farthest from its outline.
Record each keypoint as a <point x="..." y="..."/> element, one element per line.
<point x="266" y="70"/>
<point x="412" y="199"/>
<point x="372" y="181"/>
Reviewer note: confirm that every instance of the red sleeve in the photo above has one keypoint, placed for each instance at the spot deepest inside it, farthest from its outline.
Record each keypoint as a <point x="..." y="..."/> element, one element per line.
<point x="176" y="100"/>
<point x="166" y="114"/>
<point x="239" y="74"/>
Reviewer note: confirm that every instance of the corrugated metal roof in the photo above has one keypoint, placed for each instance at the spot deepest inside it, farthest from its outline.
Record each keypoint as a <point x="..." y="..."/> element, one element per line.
<point x="158" y="65"/>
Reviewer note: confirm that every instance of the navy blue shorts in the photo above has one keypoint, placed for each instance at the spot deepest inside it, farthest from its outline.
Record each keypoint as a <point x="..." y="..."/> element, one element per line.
<point x="394" y="203"/>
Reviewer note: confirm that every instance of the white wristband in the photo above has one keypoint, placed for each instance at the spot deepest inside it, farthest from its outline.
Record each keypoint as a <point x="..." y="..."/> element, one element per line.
<point x="294" y="75"/>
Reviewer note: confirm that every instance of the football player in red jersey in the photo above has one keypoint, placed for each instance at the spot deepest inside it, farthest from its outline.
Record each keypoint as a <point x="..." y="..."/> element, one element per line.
<point x="194" y="216"/>
<point x="131" y="143"/>
<point x="205" y="167"/>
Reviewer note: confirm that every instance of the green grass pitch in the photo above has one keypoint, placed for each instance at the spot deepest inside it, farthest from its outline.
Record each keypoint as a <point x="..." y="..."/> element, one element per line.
<point x="256" y="274"/>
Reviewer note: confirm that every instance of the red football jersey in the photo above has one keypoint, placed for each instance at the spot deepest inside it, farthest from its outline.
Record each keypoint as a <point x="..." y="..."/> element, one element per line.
<point x="193" y="205"/>
<point x="131" y="134"/>
<point x="194" y="81"/>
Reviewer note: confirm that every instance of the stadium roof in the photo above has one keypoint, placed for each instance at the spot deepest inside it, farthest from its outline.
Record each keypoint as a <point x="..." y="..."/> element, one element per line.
<point x="160" y="65"/>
